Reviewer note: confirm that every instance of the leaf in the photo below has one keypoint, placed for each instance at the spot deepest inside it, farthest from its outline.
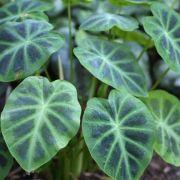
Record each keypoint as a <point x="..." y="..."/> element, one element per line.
<point x="119" y="133"/>
<point x="112" y="63"/>
<point x="21" y="9"/>
<point x="6" y="160"/>
<point x="25" y="47"/>
<point x="165" y="109"/>
<point x="136" y="36"/>
<point x="127" y="2"/>
<point x="75" y="2"/>
<point x="39" y="119"/>
<point x="106" y="21"/>
<point x="164" y="28"/>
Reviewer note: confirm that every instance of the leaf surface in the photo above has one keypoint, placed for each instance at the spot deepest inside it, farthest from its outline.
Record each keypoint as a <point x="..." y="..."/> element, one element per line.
<point x="21" y="9"/>
<point x="112" y="63"/>
<point x="6" y="160"/>
<point x="165" y="109"/>
<point x="119" y="133"/>
<point x="106" y="21"/>
<point x="25" y="47"/>
<point x="39" y="119"/>
<point x="164" y="28"/>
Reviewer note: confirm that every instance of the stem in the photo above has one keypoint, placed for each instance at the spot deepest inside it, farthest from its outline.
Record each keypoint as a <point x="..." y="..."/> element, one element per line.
<point x="143" y="51"/>
<point x="93" y="87"/>
<point x="160" y="79"/>
<point x="47" y="74"/>
<point x="60" y="67"/>
<point x="70" y="40"/>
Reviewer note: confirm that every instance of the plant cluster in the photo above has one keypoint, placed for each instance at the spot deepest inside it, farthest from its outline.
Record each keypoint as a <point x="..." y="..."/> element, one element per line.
<point x="117" y="118"/>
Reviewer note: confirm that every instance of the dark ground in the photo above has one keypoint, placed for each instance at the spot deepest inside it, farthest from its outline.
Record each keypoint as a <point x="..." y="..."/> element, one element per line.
<point x="157" y="170"/>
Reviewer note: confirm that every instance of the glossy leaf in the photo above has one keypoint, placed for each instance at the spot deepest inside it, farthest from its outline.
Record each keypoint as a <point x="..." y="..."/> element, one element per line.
<point x="112" y="63"/>
<point x="164" y="28"/>
<point x="6" y="160"/>
<point x="21" y="9"/>
<point x="25" y="47"/>
<point x="165" y="109"/>
<point x="39" y="119"/>
<point x="119" y="133"/>
<point x="106" y="21"/>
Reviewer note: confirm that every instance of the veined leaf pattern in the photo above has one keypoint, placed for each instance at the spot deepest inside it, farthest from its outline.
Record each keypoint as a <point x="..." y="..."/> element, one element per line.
<point x="106" y="21"/>
<point x="6" y="160"/>
<point x="164" y="28"/>
<point x="21" y="9"/>
<point x="25" y="47"/>
<point x="112" y="63"/>
<point x="165" y="109"/>
<point x="39" y="119"/>
<point x="119" y="133"/>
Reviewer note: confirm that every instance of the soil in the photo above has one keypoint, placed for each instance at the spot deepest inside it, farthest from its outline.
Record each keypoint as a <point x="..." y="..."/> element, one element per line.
<point x="157" y="170"/>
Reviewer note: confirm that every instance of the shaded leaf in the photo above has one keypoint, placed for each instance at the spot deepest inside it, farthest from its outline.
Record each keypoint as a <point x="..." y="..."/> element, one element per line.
<point x="25" y="47"/>
<point x="39" y="119"/>
<point x="21" y="9"/>
<point x="6" y="160"/>
<point x="165" y="109"/>
<point x="119" y="133"/>
<point x="112" y="63"/>
<point x="164" y="28"/>
<point x="106" y="21"/>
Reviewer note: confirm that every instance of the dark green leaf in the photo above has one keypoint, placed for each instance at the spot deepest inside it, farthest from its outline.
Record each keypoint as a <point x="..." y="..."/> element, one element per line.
<point x="164" y="28"/>
<point x="39" y="119"/>
<point x="106" y="21"/>
<point x="25" y="47"/>
<point x="6" y="160"/>
<point x="119" y="133"/>
<point x="21" y="9"/>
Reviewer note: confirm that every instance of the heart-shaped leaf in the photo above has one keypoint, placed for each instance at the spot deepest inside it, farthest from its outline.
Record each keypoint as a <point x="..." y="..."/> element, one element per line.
<point x="21" y="9"/>
<point x="119" y="134"/>
<point x="25" y="47"/>
<point x="112" y="63"/>
<point x="165" y="109"/>
<point x="39" y="119"/>
<point x="106" y="21"/>
<point x="6" y="159"/>
<point x="164" y="28"/>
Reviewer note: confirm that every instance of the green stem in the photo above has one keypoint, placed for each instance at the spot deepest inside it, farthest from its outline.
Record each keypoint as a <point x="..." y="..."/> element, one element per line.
<point x="160" y="79"/>
<point x="70" y="40"/>
<point x="93" y="88"/>
<point x="47" y="74"/>
<point x="60" y="68"/>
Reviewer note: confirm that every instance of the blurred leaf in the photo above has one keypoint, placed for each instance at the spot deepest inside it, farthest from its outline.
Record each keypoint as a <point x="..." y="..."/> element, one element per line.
<point x="23" y="9"/>
<point x="164" y="28"/>
<point x="143" y="62"/>
<point x="119" y="133"/>
<point x="39" y="119"/>
<point x="106" y="21"/>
